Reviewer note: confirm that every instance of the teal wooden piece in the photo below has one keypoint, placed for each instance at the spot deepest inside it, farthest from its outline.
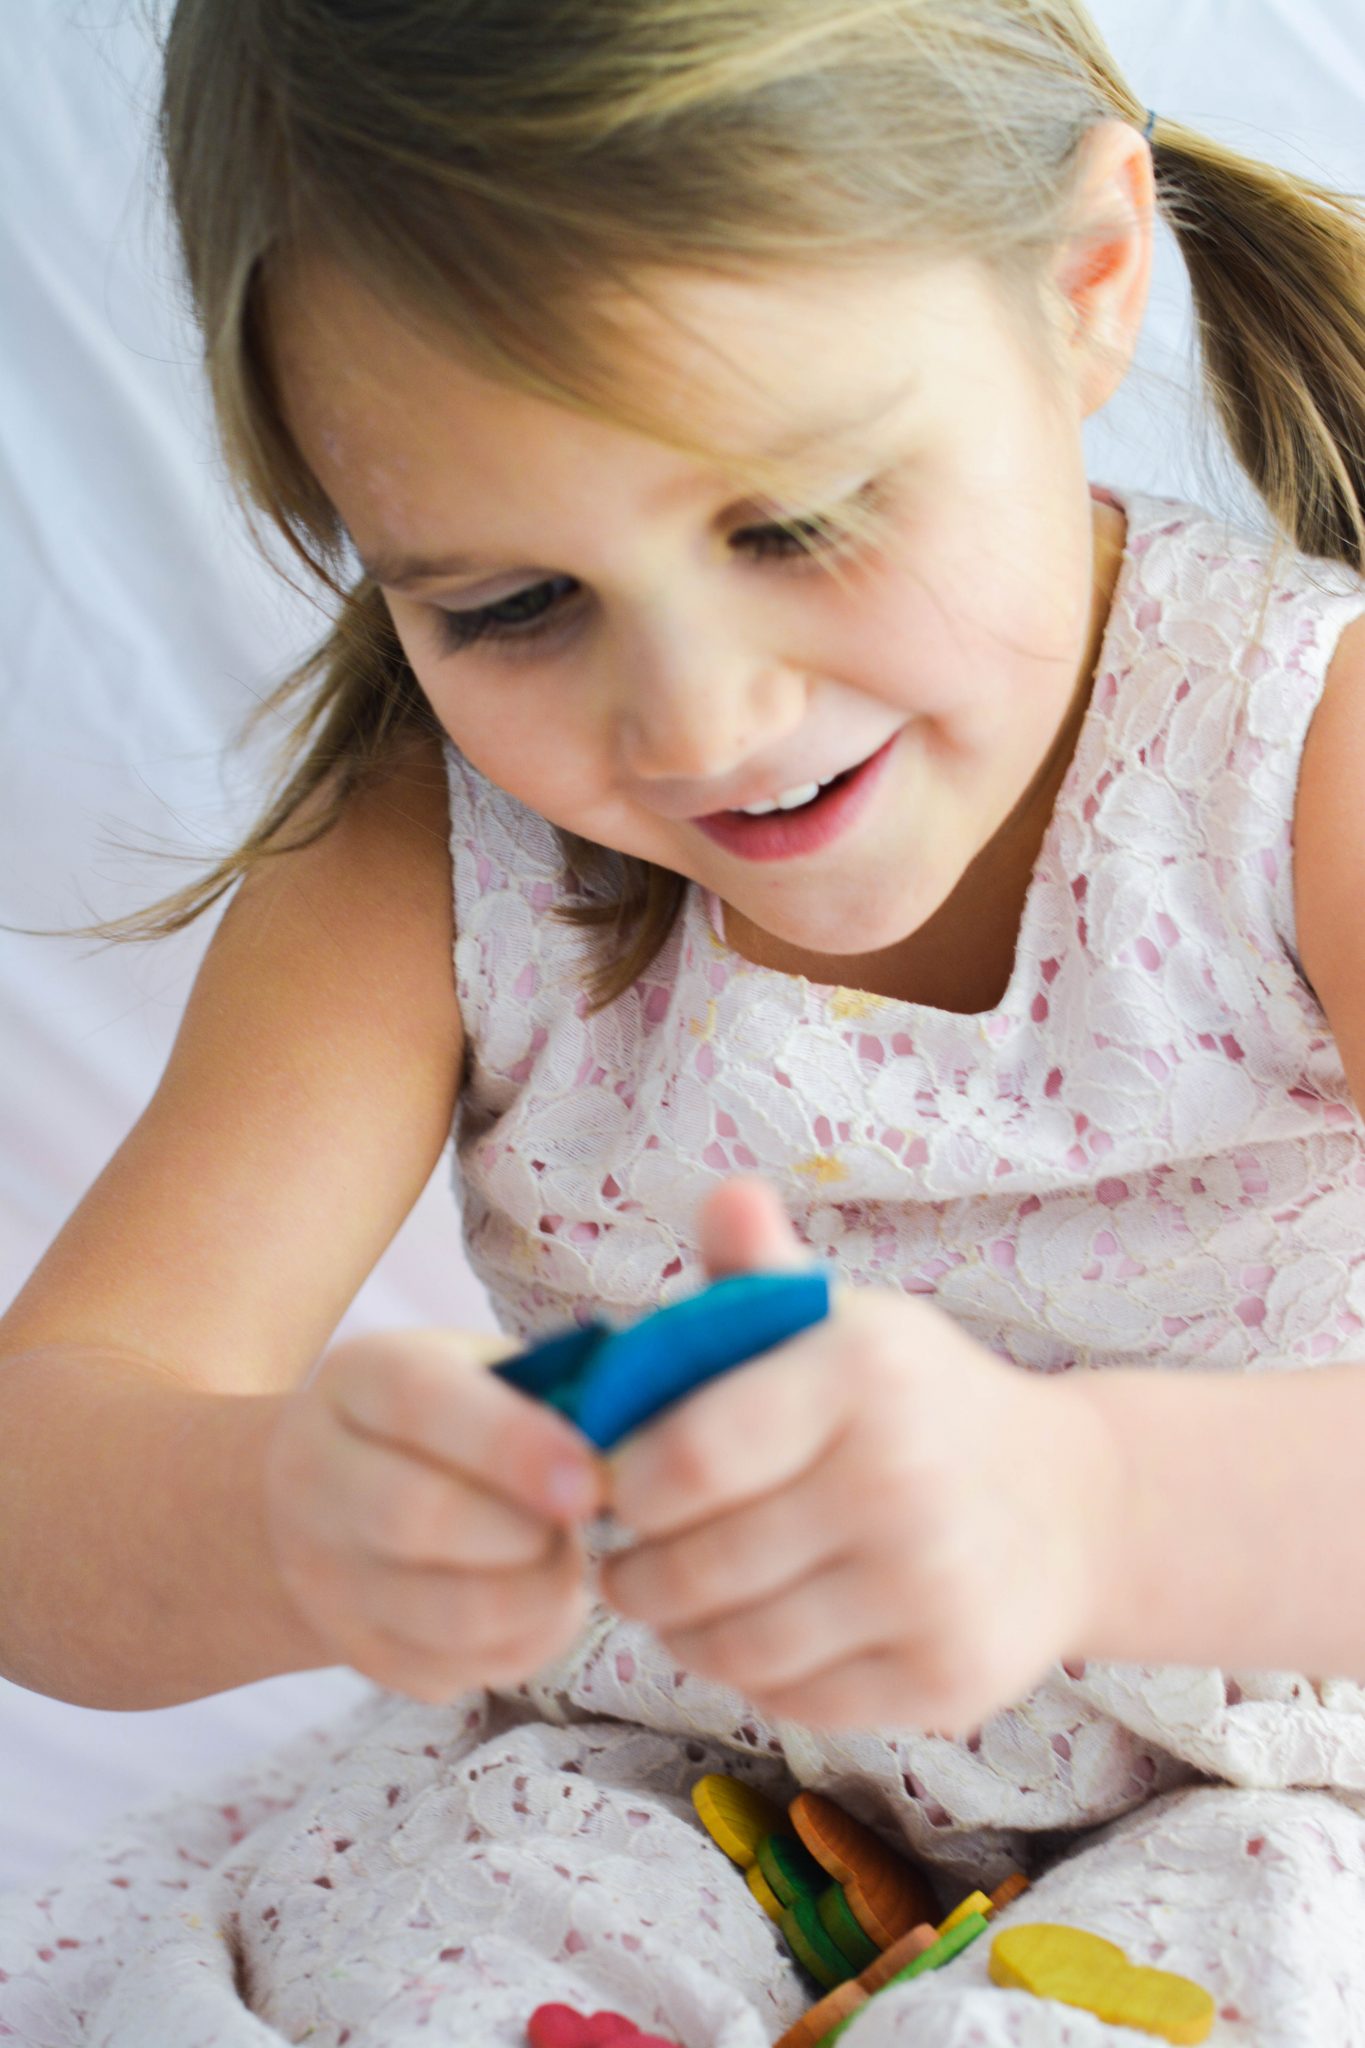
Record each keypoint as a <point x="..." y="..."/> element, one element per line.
<point x="609" y="1381"/>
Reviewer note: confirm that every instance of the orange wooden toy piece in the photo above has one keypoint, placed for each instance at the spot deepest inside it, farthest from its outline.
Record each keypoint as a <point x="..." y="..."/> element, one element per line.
<point x="897" y="1956"/>
<point x="834" y="2008"/>
<point x="1008" y="1890"/>
<point x="840" y="2005"/>
<point x="888" y="1896"/>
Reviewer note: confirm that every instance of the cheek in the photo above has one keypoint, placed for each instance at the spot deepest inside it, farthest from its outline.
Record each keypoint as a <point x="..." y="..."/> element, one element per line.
<point x="515" y="725"/>
<point x="485" y="708"/>
<point x="986" y="679"/>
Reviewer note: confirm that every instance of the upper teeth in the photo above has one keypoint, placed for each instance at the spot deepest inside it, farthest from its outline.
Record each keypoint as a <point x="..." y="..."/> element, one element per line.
<point x="788" y="801"/>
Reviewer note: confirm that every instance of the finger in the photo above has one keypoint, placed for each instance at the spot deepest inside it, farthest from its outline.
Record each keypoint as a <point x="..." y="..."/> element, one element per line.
<point x="477" y="1614"/>
<point x="401" y="1507"/>
<point x="440" y="1403"/>
<point x="432" y="1636"/>
<point x="874" y="1690"/>
<point x="735" y="1558"/>
<point x="832" y="1615"/>
<point x="742" y="1228"/>
<point x="744" y="1435"/>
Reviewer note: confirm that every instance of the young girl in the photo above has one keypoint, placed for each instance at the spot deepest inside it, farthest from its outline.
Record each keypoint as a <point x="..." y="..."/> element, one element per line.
<point x="861" y="840"/>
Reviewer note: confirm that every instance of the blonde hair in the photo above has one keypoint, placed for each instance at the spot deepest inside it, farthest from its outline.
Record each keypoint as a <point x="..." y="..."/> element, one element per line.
<point x="489" y="166"/>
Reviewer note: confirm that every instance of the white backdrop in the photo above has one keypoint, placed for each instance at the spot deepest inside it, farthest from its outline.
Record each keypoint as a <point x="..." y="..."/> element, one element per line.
<point x="138" y="628"/>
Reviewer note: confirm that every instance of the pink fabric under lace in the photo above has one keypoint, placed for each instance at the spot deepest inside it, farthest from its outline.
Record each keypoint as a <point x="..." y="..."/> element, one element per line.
<point x="1146" y="1153"/>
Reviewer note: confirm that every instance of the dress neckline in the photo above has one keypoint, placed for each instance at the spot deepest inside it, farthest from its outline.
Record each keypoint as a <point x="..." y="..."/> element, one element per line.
<point x="704" y="905"/>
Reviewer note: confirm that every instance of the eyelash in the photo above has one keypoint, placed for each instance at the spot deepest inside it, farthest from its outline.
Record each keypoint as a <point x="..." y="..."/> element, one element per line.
<point x="458" y="631"/>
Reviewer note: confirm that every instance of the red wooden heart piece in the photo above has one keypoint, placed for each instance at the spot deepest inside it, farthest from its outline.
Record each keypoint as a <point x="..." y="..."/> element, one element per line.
<point x="560" y="2026"/>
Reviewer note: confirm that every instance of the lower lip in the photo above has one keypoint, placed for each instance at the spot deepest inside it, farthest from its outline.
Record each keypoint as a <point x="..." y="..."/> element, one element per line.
<point x="781" y="835"/>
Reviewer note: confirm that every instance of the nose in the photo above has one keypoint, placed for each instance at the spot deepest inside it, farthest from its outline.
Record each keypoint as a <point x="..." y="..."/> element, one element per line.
<point x="693" y="711"/>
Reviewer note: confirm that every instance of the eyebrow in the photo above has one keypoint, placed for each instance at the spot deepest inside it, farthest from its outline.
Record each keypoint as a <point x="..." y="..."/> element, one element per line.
<point x="398" y="571"/>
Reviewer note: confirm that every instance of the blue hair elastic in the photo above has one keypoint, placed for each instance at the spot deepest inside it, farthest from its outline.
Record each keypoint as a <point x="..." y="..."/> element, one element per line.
<point x="1151" y="123"/>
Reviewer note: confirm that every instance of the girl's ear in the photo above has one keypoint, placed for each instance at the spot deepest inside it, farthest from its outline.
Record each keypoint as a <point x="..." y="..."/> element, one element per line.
<point x="1102" y="273"/>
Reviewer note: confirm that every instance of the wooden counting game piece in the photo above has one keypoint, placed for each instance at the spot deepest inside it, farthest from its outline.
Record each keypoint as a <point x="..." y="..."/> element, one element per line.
<point x="811" y="1945"/>
<point x="735" y="1816"/>
<point x="1079" y="1968"/>
<point x="897" y="1956"/>
<point x="837" y="1919"/>
<point x="790" y="1870"/>
<point x="558" y="2026"/>
<point x="887" y="1895"/>
<point x="975" y="1902"/>
<point x="834" y="2008"/>
<point x="942" y="1949"/>
<point x="1008" y="1890"/>
<point x="561" y="2026"/>
<point x="764" y="1893"/>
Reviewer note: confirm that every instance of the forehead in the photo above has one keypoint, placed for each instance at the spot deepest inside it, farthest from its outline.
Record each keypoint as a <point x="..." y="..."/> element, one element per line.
<point x="381" y="410"/>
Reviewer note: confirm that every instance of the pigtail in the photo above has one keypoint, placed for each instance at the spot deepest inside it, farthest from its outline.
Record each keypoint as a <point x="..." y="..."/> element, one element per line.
<point x="1277" y="269"/>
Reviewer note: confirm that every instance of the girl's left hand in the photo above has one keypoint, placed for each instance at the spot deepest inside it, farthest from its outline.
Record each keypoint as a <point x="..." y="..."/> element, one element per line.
<point x="877" y="1524"/>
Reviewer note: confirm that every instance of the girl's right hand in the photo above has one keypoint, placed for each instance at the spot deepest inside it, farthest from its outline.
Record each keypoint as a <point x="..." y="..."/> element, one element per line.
<point x="409" y="1502"/>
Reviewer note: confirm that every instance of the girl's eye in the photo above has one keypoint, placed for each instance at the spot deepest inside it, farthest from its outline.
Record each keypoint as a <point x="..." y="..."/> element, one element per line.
<point x="524" y="616"/>
<point x="533" y="613"/>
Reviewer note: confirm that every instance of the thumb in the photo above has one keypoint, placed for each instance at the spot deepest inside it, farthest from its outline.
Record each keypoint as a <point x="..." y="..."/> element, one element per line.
<point x="743" y="1228"/>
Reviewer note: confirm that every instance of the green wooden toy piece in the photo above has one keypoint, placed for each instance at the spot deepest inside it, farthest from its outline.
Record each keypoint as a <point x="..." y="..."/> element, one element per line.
<point x="944" y="1949"/>
<point x="812" y="1946"/>
<point x="790" y="1869"/>
<point x="840" y="1924"/>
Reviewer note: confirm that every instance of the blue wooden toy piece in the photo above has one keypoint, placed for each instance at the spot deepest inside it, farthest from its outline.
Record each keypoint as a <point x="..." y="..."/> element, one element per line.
<point x="610" y="1381"/>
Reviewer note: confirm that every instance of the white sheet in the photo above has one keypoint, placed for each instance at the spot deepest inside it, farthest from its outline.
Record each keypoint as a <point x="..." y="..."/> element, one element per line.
<point x="138" y="628"/>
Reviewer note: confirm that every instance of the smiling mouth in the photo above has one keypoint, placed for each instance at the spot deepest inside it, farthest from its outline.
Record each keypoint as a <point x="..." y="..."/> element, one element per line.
<point x="794" y="810"/>
<point x="805" y="828"/>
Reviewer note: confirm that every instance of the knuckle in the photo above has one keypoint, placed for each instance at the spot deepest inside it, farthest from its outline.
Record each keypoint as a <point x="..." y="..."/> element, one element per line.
<point x="405" y="1395"/>
<point x="498" y="1602"/>
<point x="698" y="1458"/>
<point x="700" y="1576"/>
<point x="725" y="1653"/>
<point x="516" y="1447"/>
<point x="537" y="1638"/>
<point x="951" y="1680"/>
<point x="535" y="1545"/>
<point x="879" y="1343"/>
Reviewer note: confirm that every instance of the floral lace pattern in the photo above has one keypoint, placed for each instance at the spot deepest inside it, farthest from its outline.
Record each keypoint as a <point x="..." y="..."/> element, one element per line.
<point x="1147" y="1153"/>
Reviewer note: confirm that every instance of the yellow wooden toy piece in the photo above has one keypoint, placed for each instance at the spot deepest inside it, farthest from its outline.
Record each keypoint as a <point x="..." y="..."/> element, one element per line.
<point x="975" y="1902"/>
<point x="1079" y="1968"/>
<point x="764" y="1893"/>
<point x="735" y="1816"/>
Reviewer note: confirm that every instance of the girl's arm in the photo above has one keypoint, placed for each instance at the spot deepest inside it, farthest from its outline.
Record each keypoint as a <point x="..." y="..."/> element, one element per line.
<point x="308" y="1096"/>
<point x="1238" y="1535"/>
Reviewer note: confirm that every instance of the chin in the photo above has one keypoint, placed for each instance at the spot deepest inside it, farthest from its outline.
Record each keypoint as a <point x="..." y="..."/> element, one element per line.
<point x="851" y="940"/>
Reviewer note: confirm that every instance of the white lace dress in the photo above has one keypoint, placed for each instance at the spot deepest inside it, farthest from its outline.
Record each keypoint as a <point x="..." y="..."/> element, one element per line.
<point x="1145" y="1154"/>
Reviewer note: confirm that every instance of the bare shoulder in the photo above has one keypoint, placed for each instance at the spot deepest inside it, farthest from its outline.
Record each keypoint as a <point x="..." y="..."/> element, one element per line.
<point x="354" y="932"/>
<point x="380" y="874"/>
<point x="1329" y="853"/>
<point x="307" y="1098"/>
